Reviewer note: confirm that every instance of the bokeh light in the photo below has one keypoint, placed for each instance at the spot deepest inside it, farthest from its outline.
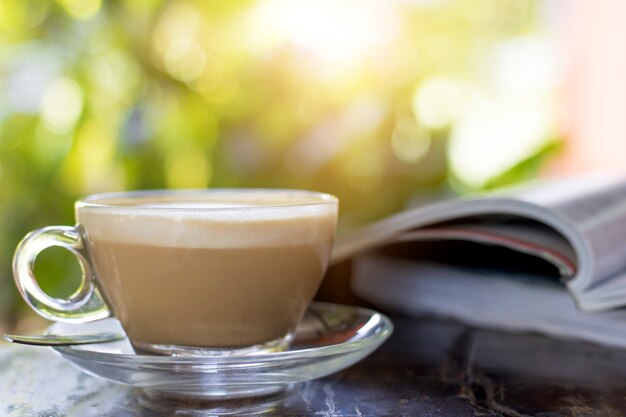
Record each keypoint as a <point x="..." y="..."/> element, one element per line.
<point x="410" y="141"/>
<point x="439" y="102"/>
<point x="61" y="105"/>
<point x="81" y="9"/>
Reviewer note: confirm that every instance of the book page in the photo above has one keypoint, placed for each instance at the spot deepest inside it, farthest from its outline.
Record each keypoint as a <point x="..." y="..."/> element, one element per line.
<point x="526" y="237"/>
<point x="596" y="206"/>
<point x="483" y="298"/>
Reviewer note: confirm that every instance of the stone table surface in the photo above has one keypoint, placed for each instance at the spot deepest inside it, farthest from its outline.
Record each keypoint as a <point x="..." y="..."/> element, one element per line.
<point x="429" y="367"/>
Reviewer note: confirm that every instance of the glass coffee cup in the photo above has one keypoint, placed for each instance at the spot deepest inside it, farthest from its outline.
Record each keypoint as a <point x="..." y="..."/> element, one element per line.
<point x="191" y="272"/>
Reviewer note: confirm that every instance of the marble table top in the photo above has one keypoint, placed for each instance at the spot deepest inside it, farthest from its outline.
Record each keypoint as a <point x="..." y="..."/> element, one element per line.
<point x="429" y="367"/>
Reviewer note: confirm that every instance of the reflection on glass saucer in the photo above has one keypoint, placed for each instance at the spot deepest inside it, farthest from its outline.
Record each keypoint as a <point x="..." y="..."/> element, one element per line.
<point x="331" y="337"/>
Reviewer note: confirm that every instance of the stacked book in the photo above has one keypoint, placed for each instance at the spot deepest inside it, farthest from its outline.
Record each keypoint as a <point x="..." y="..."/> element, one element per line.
<point x="547" y="257"/>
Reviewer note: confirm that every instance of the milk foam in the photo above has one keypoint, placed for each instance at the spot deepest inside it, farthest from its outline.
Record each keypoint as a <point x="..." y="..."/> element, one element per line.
<point x="211" y="224"/>
<point x="197" y="205"/>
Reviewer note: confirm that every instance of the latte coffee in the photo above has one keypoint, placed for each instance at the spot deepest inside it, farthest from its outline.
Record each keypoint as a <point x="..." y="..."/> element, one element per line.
<point x="218" y="270"/>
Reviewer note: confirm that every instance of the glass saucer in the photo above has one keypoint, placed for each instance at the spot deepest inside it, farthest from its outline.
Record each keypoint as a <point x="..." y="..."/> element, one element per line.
<point x="331" y="337"/>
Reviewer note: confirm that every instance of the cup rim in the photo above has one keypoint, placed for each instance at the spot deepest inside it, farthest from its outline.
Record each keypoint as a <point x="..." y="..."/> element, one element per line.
<point x="99" y="200"/>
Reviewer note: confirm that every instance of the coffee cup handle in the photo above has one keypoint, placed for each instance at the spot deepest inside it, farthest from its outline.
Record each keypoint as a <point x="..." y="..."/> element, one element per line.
<point x="86" y="304"/>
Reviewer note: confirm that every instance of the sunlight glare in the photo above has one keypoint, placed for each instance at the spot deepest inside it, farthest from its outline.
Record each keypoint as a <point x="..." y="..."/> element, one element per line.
<point x="337" y="34"/>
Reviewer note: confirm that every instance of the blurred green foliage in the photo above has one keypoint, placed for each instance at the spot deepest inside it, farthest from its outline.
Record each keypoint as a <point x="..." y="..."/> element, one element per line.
<point x="134" y="94"/>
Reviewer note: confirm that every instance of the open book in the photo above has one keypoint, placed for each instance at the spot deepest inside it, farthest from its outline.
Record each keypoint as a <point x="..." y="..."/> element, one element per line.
<point x="504" y="260"/>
